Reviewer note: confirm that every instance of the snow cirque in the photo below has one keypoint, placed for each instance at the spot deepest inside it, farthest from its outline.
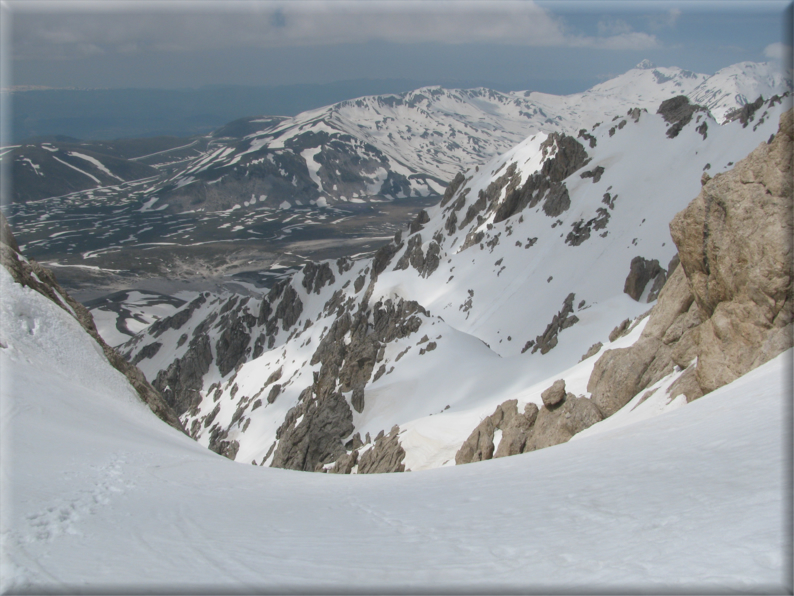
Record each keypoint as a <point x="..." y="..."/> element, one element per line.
<point x="389" y="363"/>
<point x="100" y="495"/>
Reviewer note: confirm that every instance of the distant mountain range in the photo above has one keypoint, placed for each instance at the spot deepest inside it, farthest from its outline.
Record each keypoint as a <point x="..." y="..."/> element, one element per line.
<point x="273" y="178"/>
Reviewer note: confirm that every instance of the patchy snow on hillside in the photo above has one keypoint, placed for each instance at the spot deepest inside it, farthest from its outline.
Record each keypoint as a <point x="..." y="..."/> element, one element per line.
<point x="100" y="495"/>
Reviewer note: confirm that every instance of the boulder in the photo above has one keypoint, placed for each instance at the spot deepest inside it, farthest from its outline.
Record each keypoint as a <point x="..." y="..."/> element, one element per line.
<point x="554" y="394"/>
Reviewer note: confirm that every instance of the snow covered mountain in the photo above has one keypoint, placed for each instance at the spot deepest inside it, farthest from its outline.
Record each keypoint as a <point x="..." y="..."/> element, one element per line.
<point x="550" y="307"/>
<point x="389" y="363"/>
<point x="323" y="178"/>
<point x="395" y="146"/>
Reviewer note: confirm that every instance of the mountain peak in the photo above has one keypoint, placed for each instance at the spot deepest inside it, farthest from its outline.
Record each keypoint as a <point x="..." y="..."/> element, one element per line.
<point x="645" y="65"/>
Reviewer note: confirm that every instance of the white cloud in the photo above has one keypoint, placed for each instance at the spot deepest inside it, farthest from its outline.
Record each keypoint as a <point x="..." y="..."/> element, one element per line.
<point x="777" y="51"/>
<point x="626" y="41"/>
<point x="67" y="28"/>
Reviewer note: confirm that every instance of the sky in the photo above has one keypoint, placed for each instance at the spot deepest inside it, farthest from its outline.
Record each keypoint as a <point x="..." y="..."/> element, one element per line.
<point x="558" y="47"/>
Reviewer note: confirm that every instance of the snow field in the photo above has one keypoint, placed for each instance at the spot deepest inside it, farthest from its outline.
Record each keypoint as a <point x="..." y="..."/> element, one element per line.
<point x="105" y="496"/>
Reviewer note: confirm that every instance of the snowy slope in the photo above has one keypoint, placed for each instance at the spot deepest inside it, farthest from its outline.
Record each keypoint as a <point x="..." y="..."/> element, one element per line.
<point x="737" y="85"/>
<point x="456" y="315"/>
<point x="99" y="495"/>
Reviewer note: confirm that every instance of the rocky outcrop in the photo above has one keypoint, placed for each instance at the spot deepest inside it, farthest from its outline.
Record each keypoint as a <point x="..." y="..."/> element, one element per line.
<point x="729" y="302"/>
<point x="580" y="230"/>
<point x="562" y="416"/>
<point x="385" y="456"/>
<point x="565" y="155"/>
<point x="312" y="432"/>
<point x="562" y="320"/>
<point x="232" y="345"/>
<point x="419" y="221"/>
<point x="452" y="188"/>
<point x="557" y="424"/>
<point x="178" y="319"/>
<point x="554" y="394"/>
<point x="734" y="242"/>
<point x="641" y="271"/>
<point x="311" y="435"/>
<point x="678" y="112"/>
<point x="181" y="383"/>
<point x="384" y="255"/>
<point x="316" y="276"/>
<point x="746" y="113"/>
<point x="40" y="279"/>
<point x="515" y="429"/>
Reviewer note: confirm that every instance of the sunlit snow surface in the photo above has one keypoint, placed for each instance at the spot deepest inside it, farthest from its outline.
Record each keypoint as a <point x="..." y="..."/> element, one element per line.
<point x="99" y="495"/>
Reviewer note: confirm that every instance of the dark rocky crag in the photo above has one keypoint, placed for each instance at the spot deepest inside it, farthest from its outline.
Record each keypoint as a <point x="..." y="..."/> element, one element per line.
<point x="32" y="275"/>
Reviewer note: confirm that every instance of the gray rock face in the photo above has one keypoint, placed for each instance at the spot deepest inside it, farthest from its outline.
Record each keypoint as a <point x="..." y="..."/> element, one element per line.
<point x="386" y="455"/>
<point x="546" y="183"/>
<point x="181" y="382"/>
<point x="32" y="275"/>
<point x="580" y="230"/>
<point x="583" y="134"/>
<point x="595" y="174"/>
<point x="734" y="242"/>
<point x="316" y="276"/>
<point x="592" y="351"/>
<point x="418" y="222"/>
<point x="178" y="319"/>
<point x="232" y="346"/>
<point x="479" y="446"/>
<point x="148" y="351"/>
<point x="383" y="257"/>
<point x="516" y="430"/>
<point x="6" y="235"/>
<point x="452" y="188"/>
<point x="413" y="255"/>
<point x="312" y="433"/>
<point x="474" y="209"/>
<point x="554" y="394"/>
<point x="345" y="464"/>
<point x="746" y="113"/>
<point x="348" y="354"/>
<point x="678" y="112"/>
<point x="290" y="308"/>
<point x="562" y="320"/>
<point x="641" y="272"/>
<point x="620" y="330"/>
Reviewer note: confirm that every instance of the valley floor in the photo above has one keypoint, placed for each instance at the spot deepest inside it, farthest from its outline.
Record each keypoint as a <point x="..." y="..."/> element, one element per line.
<point x="98" y="495"/>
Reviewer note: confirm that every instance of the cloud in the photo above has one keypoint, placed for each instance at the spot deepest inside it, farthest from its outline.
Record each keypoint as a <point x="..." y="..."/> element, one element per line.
<point x="666" y="20"/>
<point x="625" y="41"/>
<point x="613" y="27"/>
<point x="66" y="29"/>
<point x="777" y="51"/>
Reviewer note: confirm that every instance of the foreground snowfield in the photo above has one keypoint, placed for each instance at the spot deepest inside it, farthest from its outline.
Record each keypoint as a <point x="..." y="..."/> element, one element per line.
<point x="100" y="495"/>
